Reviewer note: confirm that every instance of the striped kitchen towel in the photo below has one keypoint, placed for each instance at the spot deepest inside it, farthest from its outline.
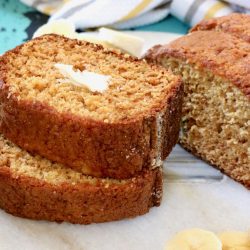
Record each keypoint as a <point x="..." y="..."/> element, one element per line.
<point x="122" y="14"/>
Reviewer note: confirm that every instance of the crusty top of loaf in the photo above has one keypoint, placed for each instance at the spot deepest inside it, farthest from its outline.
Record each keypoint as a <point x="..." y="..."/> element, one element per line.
<point x="236" y="24"/>
<point x="221" y="53"/>
<point x="136" y="88"/>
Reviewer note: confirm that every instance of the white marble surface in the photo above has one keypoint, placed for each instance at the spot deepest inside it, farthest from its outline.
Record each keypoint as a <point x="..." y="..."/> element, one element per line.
<point x="195" y="195"/>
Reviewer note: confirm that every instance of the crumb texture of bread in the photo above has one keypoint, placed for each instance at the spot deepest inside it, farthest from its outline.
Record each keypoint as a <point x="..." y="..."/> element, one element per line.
<point x="215" y="123"/>
<point x="110" y="134"/>
<point x="236" y="24"/>
<point x="135" y="86"/>
<point x="35" y="188"/>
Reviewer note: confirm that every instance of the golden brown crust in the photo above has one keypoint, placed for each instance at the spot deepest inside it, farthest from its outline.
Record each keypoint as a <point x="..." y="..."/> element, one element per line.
<point x="221" y="53"/>
<point x="118" y="150"/>
<point x="235" y="24"/>
<point x="193" y="151"/>
<point x="84" y="203"/>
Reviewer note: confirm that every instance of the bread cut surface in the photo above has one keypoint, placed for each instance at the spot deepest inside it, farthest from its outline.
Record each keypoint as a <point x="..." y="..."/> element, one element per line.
<point x="236" y="24"/>
<point x="135" y="86"/>
<point x="35" y="188"/>
<point x="116" y="133"/>
<point x="216" y="107"/>
<point x="221" y="53"/>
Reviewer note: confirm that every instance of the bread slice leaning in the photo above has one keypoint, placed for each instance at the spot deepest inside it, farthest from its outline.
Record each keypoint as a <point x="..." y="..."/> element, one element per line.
<point x="216" y="109"/>
<point x="34" y="187"/>
<point x="130" y="127"/>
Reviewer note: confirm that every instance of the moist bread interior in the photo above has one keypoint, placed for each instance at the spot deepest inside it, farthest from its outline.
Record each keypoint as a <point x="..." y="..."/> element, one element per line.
<point x="215" y="122"/>
<point x="135" y="86"/>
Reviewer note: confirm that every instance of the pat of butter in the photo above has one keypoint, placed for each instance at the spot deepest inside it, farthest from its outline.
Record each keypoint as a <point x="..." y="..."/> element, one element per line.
<point x="60" y="27"/>
<point x="129" y="43"/>
<point x="107" y="37"/>
<point x="90" y="80"/>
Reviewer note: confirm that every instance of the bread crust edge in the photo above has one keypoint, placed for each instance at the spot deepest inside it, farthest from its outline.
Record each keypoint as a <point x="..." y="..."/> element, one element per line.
<point x="84" y="203"/>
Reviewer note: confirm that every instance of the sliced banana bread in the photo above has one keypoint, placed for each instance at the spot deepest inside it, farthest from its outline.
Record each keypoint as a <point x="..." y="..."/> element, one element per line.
<point x="215" y="67"/>
<point x="236" y="24"/>
<point x="34" y="187"/>
<point x="116" y="133"/>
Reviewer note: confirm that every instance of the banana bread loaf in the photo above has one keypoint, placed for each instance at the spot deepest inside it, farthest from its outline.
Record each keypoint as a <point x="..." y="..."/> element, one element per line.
<point x="236" y="24"/>
<point x="117" y="133"/>
<point x="215" y="67"/>
<point x="34" y="187"/>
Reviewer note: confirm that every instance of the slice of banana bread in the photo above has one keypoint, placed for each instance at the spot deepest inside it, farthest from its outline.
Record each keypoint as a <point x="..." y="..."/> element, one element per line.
<point x="34" y="187"/>
<point x="236" y="24"/>
<point x="215" y="67"/>
<point x="116" y="133"/>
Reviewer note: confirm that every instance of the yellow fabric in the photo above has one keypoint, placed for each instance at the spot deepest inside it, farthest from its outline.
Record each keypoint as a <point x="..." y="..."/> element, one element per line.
<point x="121" y="14"/>
<point x="215" y="8"/>
<point x="139" y="8"/>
